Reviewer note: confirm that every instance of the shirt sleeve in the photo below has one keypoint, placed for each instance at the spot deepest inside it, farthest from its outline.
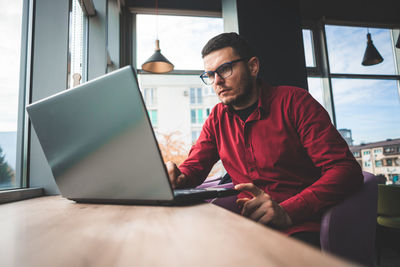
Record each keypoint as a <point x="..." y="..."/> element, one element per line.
<point x="341" y="175"/>
<point x="203" y="154"/>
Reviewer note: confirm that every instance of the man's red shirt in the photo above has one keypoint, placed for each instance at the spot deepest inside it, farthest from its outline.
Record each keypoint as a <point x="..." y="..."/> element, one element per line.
<point x="287" y="146"/>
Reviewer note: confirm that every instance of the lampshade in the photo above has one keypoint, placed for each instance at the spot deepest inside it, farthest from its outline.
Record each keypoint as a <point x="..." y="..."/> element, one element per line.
<point x="157" y="63"/>
<point x="398" y="42"/>
<point x="371" y="55"/>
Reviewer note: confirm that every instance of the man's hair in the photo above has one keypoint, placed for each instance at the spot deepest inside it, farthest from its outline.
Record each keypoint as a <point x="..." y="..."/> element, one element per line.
<point x="231" y="39"/>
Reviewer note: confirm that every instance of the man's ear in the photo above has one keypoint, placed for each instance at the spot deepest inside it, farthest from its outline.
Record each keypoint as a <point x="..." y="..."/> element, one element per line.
<point x="254" y="66"/>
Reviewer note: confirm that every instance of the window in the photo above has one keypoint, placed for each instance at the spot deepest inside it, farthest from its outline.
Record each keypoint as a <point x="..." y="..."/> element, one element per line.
<point x="315" y="89"/>
<point x="358" y="98"/>
<point x="378" y="151"/>
<point x="362" y="105"/>
<point x="308" y="47"/>
<point x="153" y="117"/>
<point x="196" y="116"/>
<point x="193" y="116"/>
<point x="346" y="47"/>
<point x="150" y="96"/>
<point x="356" y="154"/>
<point x="389" y="149"/>
<point x="183" y="47"/>
<point x="182" y="99"/>
<point x="196" y="95"/>
<point x="378" y="163"/>
<point x="366" y="152"/>
<point x="11" y="14"/>
<point x="367" y="163"/>
<point x="389" y="162"/>
<point x="77" y="46"/>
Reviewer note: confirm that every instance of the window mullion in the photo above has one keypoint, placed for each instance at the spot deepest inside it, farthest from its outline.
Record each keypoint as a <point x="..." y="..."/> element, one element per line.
<point x="323" y="66"/>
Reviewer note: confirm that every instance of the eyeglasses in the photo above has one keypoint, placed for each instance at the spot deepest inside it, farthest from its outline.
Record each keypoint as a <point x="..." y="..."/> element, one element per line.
<point x="223" y="71"/>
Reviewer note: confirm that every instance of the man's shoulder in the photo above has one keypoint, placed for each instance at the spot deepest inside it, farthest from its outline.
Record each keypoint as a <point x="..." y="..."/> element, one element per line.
<point x="289" y="90"/>
<point x="282" y="93"/>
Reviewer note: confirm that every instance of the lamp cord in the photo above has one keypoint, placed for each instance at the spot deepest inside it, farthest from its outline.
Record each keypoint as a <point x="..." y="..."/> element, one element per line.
<point x="156" y="19"/>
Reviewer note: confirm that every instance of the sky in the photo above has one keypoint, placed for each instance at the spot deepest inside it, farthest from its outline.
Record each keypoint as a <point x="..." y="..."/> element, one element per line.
<point x="369" y="108"/>
<point x="10" y="32"/>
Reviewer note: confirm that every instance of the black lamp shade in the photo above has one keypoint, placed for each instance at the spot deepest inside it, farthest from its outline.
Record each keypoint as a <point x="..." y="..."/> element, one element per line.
<point x="371" y="55"/>
<point x="157" y="63"/>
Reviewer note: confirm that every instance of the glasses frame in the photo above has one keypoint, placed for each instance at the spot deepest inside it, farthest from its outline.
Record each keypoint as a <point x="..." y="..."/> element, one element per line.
<point x="212" y="73"/>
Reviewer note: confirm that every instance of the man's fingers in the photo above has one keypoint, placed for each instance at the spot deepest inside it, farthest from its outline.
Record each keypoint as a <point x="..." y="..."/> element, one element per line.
<point x="241" y="201"/>
<point x="251" y="188"/>
<point x="173" y="173"/>
<point x="250" y="206"/>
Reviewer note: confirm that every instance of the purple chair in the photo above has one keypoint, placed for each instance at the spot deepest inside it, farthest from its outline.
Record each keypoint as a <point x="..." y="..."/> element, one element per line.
<point x="348" y="229"/>
<point x="228" y="203"/>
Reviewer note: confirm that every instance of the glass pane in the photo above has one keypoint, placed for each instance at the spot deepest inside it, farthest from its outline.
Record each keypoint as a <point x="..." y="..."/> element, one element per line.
<point x="308" y="48"/>
<point x="10" y="28"/>
<point x="368" y="108"/>
<point x="193" y="116"/>
<point x="76" y="45"/>
<point x="192" y="95"/>
<point x="346" y="48"/>
<point x="200" y="116"/>
<point x="181" y="47"/>
<point x="178" y="125"/>
<point x="315" y="89"/>
<point x="199" y="95"/>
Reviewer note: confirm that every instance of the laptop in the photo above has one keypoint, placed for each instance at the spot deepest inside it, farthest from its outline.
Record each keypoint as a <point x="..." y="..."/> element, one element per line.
<point x="101" y="148"/>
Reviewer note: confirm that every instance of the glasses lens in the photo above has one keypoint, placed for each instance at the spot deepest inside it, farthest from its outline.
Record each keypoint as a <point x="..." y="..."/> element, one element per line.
<point x="207" y="78"/>
<point x="225" y="70"/>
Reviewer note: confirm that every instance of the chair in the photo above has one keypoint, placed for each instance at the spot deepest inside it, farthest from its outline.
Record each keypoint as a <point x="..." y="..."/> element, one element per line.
<point x="388" y="213"/>
<point x="348" y="228"/>
<point x="228" y="203"/>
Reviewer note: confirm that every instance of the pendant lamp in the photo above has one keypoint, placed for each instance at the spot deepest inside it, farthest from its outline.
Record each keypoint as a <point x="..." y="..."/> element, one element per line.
<point x="157" y="63"/>
<point x="371" y="55"/>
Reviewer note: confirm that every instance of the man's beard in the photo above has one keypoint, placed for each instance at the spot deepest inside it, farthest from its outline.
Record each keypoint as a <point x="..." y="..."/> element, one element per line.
<point x="245" y="95"/>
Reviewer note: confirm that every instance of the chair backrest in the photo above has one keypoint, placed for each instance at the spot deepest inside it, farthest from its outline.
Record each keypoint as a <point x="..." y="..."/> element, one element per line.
<point x="348" y="228"/>
<point x="388" y="200"/>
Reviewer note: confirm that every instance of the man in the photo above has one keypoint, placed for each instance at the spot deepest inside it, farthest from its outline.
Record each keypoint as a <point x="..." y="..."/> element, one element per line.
<point x="277" y="144"/>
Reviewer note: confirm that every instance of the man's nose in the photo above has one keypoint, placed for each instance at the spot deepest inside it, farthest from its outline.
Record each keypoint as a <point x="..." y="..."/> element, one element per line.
<point x="218" y="79"/>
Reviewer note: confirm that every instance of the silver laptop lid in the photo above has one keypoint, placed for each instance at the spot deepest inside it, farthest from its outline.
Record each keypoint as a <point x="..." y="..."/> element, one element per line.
<point x="99" y="143"/>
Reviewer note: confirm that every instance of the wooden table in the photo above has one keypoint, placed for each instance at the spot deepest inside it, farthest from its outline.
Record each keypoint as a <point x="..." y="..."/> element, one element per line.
<point x="53" y="231"/>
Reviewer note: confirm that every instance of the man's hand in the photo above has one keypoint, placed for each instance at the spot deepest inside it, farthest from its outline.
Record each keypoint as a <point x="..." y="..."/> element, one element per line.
<point x="261" y="208"/>
<point x="177" y="178"/>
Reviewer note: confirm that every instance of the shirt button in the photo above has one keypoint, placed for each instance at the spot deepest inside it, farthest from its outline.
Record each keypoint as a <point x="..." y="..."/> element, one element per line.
<point x="251" y="169"/>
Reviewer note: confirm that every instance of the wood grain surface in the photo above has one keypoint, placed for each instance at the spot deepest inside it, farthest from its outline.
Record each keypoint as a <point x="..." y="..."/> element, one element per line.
<point x="54" y="231"/>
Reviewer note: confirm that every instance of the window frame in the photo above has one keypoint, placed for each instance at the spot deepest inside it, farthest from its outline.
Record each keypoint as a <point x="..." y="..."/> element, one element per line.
<point x="169" y="12"/>
<point x="322" y="69"/>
